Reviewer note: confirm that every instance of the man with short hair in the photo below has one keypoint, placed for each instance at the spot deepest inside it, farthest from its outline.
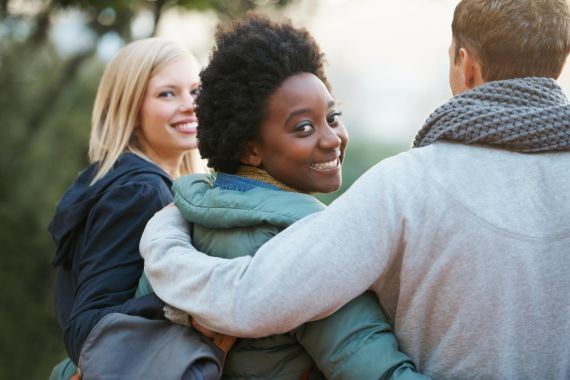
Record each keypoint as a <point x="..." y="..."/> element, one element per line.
<point x="465" y="238"/>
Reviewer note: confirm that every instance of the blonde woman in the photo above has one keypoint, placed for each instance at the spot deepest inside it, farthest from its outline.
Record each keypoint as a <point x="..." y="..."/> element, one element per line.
<point x="143" y="136"/>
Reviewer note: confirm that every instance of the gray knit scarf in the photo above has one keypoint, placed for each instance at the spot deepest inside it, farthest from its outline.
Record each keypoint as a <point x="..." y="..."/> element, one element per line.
<point x="521" y="115"/>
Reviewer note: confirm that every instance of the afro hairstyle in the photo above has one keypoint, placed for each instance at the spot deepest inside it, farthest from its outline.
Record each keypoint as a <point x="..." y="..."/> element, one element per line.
<point x="249" y="62"/>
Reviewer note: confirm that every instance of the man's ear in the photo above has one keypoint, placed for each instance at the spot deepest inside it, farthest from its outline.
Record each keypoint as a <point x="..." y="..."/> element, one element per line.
<point x="471" y="69"/>
<point x="251" y="155"/>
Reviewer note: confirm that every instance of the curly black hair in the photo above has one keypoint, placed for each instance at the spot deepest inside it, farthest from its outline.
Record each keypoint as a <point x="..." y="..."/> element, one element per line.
<point x="250" y="61"/>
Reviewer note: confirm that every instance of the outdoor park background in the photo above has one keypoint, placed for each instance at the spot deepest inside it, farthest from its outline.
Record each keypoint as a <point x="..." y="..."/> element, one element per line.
<point x="388" y="67"/>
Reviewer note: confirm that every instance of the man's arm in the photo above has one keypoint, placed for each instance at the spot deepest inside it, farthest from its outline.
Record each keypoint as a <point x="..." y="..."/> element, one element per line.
<point x="306" y="272"/>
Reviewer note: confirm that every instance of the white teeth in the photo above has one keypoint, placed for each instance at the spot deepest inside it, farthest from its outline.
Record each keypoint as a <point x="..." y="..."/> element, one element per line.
<point x="326" y="165"/>
<point x="187" y="127"/>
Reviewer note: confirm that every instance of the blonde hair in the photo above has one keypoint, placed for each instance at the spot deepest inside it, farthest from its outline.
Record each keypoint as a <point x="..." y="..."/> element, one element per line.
<point x="514" y="38"/>
<point x="118" y="102"/>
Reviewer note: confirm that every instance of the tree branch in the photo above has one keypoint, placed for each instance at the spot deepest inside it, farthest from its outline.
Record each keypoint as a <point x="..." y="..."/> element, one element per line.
<point x="43" y="22"/>
<point x="157" y="11"/>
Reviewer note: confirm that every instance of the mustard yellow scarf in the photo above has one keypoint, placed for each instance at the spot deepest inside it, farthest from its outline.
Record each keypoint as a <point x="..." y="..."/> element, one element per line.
<point x="261" y="175"/>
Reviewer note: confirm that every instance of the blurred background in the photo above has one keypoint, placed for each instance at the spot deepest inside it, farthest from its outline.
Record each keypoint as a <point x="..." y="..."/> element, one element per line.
<point x="387" y="63"/>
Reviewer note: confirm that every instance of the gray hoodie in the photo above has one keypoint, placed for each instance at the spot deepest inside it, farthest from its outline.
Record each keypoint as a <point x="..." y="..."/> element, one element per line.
<point x="466" y="247"/>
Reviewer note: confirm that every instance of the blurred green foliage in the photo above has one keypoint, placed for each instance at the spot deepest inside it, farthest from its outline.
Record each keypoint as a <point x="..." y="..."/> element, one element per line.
<point x="45" y="107"/>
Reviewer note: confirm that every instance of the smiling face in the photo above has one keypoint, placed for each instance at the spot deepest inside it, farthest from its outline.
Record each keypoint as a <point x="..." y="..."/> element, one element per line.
<point x="168" y="123"/>
<point x="302" y="138"/>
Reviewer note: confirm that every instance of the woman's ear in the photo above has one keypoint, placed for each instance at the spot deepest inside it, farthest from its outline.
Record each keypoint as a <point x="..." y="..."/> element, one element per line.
<point x="252" y="155"/>
<point x="472" y="73"/>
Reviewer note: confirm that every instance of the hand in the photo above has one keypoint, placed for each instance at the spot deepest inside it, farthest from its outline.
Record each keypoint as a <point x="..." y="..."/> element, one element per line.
<point x="223" y="342"/>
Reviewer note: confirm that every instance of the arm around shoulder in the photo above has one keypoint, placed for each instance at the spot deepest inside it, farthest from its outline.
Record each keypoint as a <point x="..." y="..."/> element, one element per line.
<point x="179" y="274"/>
<point x="304" y="273"/>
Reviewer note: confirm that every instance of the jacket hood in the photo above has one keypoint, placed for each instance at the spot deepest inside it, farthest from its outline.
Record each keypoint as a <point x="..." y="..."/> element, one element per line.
<point x="74" y="207"/>
<point x="213" y="207"/>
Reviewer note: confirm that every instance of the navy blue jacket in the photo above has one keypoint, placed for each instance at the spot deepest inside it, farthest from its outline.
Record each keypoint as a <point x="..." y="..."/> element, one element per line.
<point x="97" y="230"/>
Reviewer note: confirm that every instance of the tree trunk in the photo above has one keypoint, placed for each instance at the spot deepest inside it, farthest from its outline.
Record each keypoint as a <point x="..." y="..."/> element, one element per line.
<point x="157" y="11"/>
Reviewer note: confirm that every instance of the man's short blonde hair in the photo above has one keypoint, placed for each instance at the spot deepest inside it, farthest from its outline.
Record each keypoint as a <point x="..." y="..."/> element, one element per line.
<point x="514" y="38"/>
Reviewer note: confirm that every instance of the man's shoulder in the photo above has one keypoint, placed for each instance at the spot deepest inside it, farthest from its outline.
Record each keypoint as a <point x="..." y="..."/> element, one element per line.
<point x="425" y="160"/>
<point x="413" y="169"/>
<point x="405" y="165"/>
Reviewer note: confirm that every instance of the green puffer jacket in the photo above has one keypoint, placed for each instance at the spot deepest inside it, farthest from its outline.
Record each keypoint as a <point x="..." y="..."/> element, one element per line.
<point x="356" y="342"/>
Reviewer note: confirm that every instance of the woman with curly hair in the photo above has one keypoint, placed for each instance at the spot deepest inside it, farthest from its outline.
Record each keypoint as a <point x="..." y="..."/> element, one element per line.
<point x="273" y="133"/>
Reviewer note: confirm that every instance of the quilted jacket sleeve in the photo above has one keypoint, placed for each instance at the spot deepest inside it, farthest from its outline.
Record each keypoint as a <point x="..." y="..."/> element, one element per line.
<point x="356" y="342"/>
